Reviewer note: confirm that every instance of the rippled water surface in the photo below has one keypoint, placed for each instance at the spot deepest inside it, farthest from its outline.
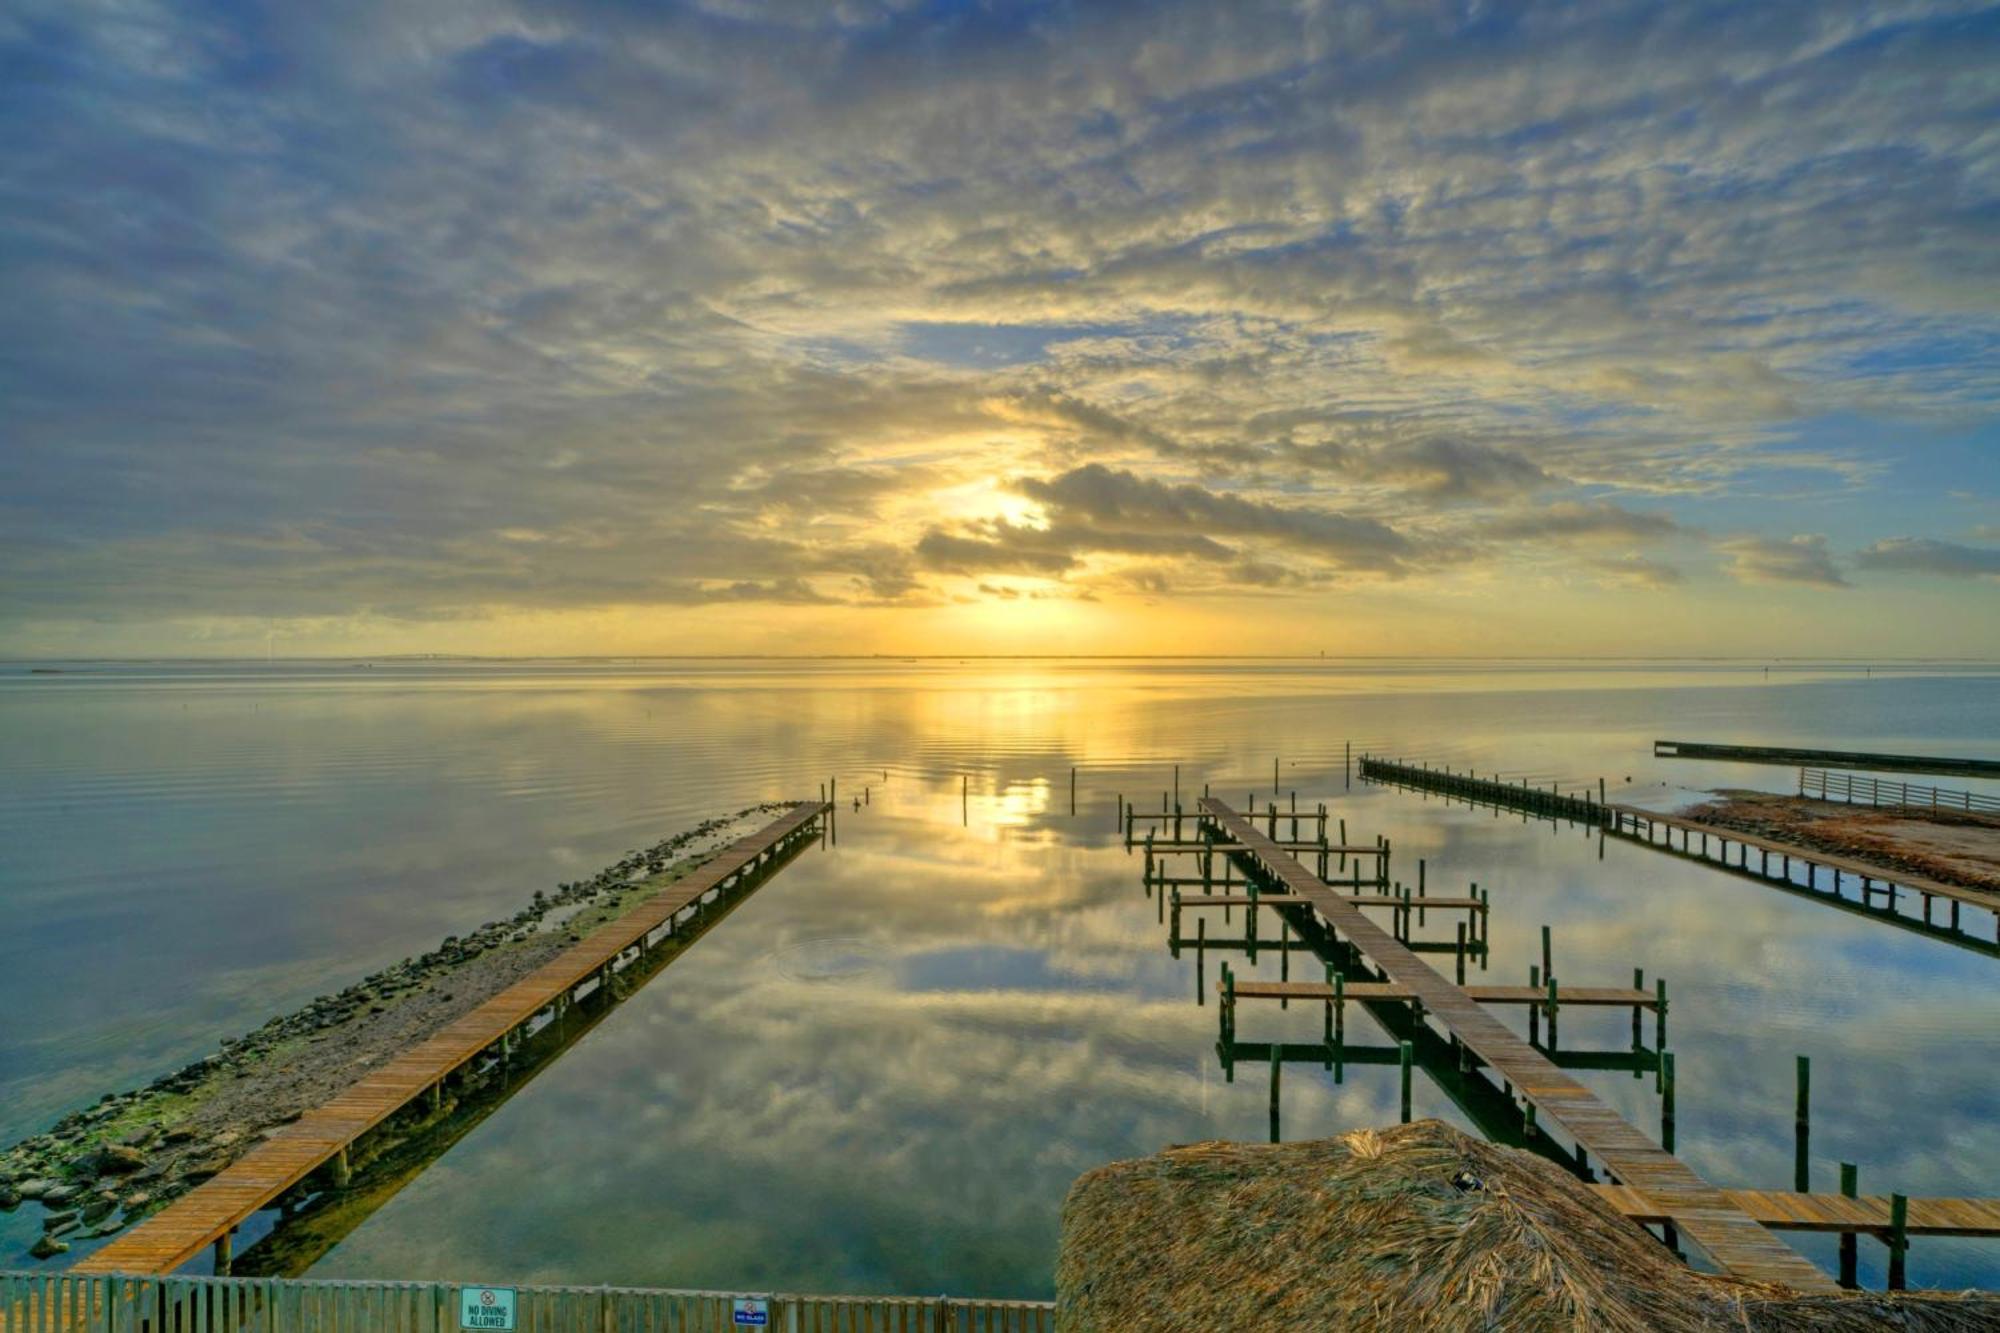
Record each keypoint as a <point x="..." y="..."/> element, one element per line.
<point x="882" y="1072"/>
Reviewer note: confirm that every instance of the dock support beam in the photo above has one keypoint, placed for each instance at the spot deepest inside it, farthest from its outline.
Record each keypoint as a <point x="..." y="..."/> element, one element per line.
<point x="1850" y="1186"/>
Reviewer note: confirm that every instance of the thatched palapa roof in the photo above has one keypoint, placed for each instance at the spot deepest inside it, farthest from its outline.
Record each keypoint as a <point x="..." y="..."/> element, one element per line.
<point x="1416" y="1227"/>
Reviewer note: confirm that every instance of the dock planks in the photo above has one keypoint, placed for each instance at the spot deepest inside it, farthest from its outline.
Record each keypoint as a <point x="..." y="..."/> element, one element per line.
<point x="1623" y="816"/>
<point x="1733" y="1239"/>
<point x="1783" y="1211"/>
<point x="1189" y="901"/>
<point x="213" y="1209"/>
<point x="1791" y="757"/>
<point x="1368" y="991"/>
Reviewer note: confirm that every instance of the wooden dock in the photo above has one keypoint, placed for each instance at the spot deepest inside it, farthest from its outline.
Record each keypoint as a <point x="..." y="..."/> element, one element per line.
<point x="1734" y="1240"/>
<point x="210" y="1213"/>
<point x="1189" y="902"/>
<point x="1648" y="826"/>
<point x="1781" y="1210"/>
<point x="1364" y="992"/>
<point x="1792" y="758"/>
<point x="1804" y="870"/>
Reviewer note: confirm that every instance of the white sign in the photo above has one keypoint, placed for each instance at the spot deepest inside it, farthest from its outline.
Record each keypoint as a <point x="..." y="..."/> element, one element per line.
<point x="486" y="1307"/>
<point x="754" y="1311"/>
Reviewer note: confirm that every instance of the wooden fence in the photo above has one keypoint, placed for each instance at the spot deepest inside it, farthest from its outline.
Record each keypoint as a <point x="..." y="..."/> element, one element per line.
<point x="1862" y="790"/>
<point x="112" y="1303"/>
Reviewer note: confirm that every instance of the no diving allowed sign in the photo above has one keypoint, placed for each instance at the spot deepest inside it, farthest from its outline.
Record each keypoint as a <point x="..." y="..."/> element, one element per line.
<point x="750" y="1311"/>
<point x="486" y="1307"/>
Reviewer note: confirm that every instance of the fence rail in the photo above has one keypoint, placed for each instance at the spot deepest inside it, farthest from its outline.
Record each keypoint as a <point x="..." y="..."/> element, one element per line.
<point x="114" y="1303"/>
<point x="1860" y="790"/>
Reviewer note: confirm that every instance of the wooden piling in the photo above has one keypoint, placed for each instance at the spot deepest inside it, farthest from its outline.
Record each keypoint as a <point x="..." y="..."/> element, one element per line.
<point x="1802" y="1128"/>
<point x="1277" y="1071"/>
<point x="1404" y="1052"/>
<point x="1899" y="1241"/>
<point x="1667" y="1100"/>
<point x="1850" y="1186"/>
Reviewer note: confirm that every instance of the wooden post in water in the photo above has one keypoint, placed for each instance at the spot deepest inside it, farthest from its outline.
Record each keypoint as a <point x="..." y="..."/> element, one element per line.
<point x="1461" y="958"/>
<point x="1899" y="1240"/>
<point x="1802" y="1128"/>
<point x="1339" y="1024"/>
<point x="1200" y="960"/>
<point x="1850" y="1187"/>
<point x="1553" y="1007"/>
<point x="1347" y="769"/>
<point x="1667" y="1100"/>
<point x="1404" y="1051"/>
<point x="1274" y="779"/>
<point x="1638" y="984"/>
<point x="1534" y="1010"/>
<point x="1277" y="1068"/>
<point x="1072" y="789"/>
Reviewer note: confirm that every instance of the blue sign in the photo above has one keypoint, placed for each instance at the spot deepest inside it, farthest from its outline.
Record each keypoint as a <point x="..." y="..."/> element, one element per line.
<point x="486" y="1307"/>
<point x="753" y="1311"/>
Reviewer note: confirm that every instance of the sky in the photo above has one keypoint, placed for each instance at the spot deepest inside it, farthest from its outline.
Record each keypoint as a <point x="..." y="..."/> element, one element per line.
<point x="593" y="327"/>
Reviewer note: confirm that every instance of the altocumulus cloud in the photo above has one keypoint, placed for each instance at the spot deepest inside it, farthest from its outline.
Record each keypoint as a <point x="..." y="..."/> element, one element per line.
<point x="1802" y="559"/>
<point x="1925" y="556"/>
<point x="435" y="313"/>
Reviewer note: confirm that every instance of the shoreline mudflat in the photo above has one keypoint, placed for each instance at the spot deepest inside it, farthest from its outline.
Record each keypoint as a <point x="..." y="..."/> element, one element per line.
<point x="98" y="1170"/>
<point x="1952" y="847"/>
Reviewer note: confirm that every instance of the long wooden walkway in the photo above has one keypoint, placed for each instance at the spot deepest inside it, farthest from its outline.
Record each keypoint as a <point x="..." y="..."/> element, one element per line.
<point x="214" y="1209"/>
<point x="1645" y="825"/>
<point x="1791" y="757"/>
<point x="1368" y="992"/>
<point x="1734" y="1240"/>
<point x="1711" y="843"/>
<point x="1784" y="1211"/>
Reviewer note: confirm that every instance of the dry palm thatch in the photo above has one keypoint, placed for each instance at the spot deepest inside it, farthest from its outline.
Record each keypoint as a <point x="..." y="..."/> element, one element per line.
<point x="1417" y="1227"/>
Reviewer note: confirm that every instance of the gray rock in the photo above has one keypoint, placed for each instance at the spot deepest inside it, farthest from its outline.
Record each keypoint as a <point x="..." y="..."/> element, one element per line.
<point x="117" y="1159"/>
<point x="47" y="1247"/>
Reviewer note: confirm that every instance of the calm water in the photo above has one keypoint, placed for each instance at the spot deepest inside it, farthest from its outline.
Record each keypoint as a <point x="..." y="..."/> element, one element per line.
<point x="883" y="1071"/>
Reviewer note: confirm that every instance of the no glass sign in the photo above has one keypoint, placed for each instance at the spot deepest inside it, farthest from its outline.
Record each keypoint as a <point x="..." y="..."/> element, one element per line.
<point x="486" y="1307"/>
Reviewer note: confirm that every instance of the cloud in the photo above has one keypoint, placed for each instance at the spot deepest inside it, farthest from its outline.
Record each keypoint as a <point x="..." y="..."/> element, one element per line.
<point x="1439" y="468"/>
<point x="1802" y="559"/>
<point x="1100" y="499"/>
<point x="1636" y="571"/>
<point x="1580" y="521"/>
<point x="323" y="318"/>
<point x="1923" y="555"/>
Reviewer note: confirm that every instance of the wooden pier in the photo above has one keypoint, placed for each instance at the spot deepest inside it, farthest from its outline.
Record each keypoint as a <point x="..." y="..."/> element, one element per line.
<point x="1872" y="1214"/>
<point x="1792" y="758"/>
<point x="1812" y="873"/>
<point x="1657" y="830"/>
<point x="1699" y="1211"/>
<point x="210" y="1213"/>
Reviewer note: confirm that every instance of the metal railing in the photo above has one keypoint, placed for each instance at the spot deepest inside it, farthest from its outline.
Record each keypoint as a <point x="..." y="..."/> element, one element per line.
<point x="1861" y="790"/>
<point x="92" y="1303"/>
